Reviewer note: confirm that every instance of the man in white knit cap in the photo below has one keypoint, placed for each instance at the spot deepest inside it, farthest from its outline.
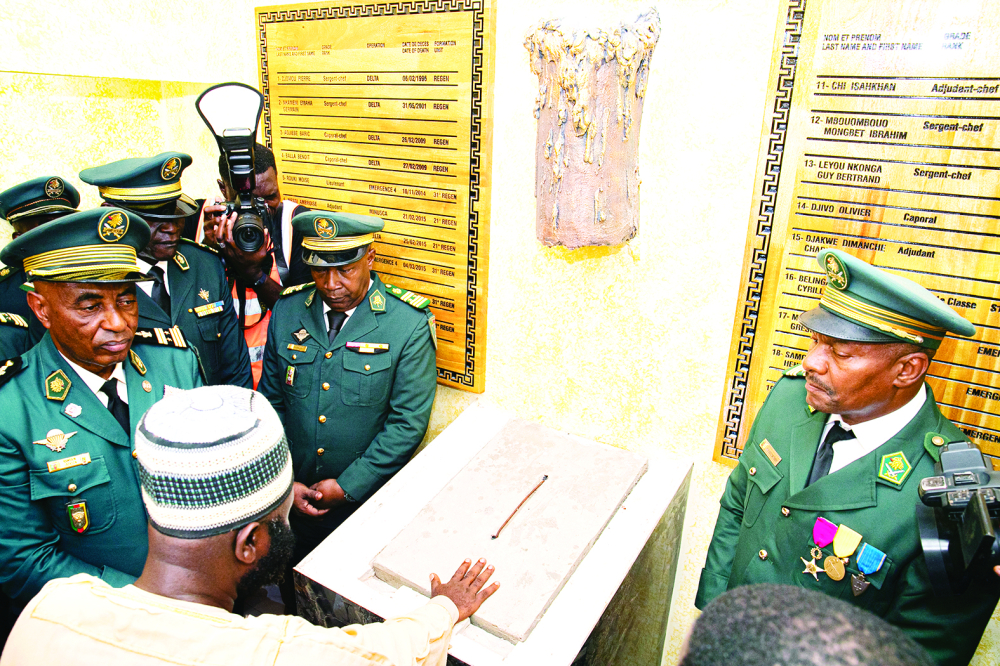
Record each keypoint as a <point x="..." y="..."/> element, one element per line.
<point x="216" y="479"/>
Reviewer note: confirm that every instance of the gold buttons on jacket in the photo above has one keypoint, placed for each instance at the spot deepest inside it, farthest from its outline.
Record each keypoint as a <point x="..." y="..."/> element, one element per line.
<point x="294" y="356"/>
<point x="762" y="554"/>
<point x="322" y="419"/>
<point x="753" y="471"/>
<point x="784" y="511"/>
<point x="937" y="440"/>
<point x="368" y="367"/>
<point x="326" y="387"/>
<point x="320" y="452"/>
<point x="135" y="454"/>
<point x="71" y="487"/>
<point x="328" y="354"/>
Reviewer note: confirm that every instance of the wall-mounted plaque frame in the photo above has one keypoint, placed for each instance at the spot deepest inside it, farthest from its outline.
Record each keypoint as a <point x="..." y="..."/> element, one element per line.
<point x="879" y="138"/>
<point x="386" y="108"/>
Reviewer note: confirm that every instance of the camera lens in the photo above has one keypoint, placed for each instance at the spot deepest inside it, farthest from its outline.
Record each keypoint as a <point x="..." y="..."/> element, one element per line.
<point x="248" y="232"/>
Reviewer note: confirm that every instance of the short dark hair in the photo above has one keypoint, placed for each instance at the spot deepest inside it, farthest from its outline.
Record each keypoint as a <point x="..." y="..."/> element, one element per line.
<point x="764" y="625"/>
<point x="263" y="159"/>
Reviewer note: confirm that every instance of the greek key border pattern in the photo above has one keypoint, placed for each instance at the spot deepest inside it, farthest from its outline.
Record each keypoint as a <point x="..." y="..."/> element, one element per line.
<point x="736" y="392"/>
<point x="398" y="8"/>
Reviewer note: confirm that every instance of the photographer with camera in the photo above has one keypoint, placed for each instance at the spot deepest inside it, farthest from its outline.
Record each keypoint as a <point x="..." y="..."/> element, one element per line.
<point x="825" y="492"/>
<point x="187" y="287"/>
<point x="258" y="277"/>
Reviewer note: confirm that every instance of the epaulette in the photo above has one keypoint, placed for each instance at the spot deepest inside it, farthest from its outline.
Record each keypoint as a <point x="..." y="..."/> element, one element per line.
<point x="12" y="319"/>
<point x="796" y="371"/>
<point x="297" y="288"/>
<point x="168" y="337"/>
<point x="9" y="368"/>
<point x="200" y="245"/>
<point x="5" y="273"/>
<point x="408" y="297"/>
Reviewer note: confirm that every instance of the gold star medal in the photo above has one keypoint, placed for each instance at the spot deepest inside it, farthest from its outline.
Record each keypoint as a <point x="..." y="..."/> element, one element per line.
<point x="811" y="567"/>
<point x="55" y="440"/>
<point x="205" y="295"/>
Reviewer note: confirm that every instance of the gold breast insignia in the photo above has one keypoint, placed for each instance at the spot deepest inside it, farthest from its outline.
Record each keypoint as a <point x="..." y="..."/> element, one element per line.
<point x="56" y="439"/>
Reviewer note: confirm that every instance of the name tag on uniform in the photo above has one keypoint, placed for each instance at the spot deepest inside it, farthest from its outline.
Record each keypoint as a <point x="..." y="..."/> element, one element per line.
<point x="298" y="347"/>
<point x="66" y="463"/>
<point x="368" y="347"/>
<point x="208" y="309"/>
<point x="769" y="451"/>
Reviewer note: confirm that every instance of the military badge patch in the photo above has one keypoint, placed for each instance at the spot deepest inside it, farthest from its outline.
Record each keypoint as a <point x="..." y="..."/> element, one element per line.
<point x="170" y="169"/>
<point x="57" y="386"/>
<point x="136" y="362"/>
<point x="290" y="376"/>
<point x="181" y="261"/>
<point x="54" y="188"/>
<point x="301" y="335"/>
<point x="55" y="440"/>
<point x="836" y="272"/>
<point x="79" y="519"/>
<point x="112" y="226"/>
<point x="204" y="295"/>
<point x="894" y="468"/>
<point x="325" y="228"/>
<point x="377" y="302"/>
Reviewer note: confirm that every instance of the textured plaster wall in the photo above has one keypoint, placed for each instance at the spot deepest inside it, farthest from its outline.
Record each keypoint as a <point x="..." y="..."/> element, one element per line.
<point x="625" y="345"/>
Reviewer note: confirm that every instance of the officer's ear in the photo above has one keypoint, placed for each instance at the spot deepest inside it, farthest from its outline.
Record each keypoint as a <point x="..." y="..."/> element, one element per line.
<point x="912" y="368"/>
<point x="370" y="256"/>
<point x="40" y="306"/>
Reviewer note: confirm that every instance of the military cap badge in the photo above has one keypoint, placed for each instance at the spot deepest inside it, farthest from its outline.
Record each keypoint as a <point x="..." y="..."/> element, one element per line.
<point x="325" y="228"/>
<point x="836" y="272"/>
<point x="894" y="468"/>
<point x="54" y="188"/>
<point x="112" y="226"/>
<point x="170" y="168"/>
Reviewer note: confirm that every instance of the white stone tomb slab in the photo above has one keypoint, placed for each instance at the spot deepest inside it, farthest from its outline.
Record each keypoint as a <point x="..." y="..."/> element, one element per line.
<point x="545" y="540"/>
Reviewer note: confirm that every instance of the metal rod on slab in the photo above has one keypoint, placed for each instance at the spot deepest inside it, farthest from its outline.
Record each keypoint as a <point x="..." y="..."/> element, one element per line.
<point x="520" y="505"/>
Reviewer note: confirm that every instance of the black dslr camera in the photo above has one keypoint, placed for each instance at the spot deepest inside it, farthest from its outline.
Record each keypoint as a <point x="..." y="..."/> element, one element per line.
<point x="232" y="111"/>
<point x="958" y="518"/>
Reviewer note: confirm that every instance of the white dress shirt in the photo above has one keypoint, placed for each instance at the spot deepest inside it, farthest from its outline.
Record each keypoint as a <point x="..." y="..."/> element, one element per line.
<point x="871" y="434"/>
<point x="95" y="382"/>
<point x="327" y="308"/>
<point x="148" y="285"/>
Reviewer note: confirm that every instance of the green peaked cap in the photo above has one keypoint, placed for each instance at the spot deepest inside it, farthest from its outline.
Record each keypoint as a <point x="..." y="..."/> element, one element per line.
<point x="335" y="239"/>
<point x="46" y="195"/>
<point x="141" y="182"/>
<point x="96" y="245"/>
<point x="862" y="303"/>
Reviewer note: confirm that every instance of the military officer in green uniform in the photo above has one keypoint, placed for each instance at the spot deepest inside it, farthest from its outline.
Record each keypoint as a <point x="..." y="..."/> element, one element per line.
<point x="825" y="491"/>
<point x="350" y="367"/>
<point x="70" y="406"/>
<point x="188" y="288"/>
<point x="26" y="206"/>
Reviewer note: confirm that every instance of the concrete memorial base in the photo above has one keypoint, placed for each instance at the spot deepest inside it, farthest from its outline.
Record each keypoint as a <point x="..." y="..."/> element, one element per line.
<point x="618" y="594"/>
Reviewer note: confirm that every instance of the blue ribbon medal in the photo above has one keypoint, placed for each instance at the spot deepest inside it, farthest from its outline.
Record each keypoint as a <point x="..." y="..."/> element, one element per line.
<point x="870" y="560"/>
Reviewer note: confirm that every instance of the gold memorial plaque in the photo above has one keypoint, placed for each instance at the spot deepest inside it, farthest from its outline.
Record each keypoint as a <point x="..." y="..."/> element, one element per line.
<point x="879" y="139"/>
<point x="386" y="109"/>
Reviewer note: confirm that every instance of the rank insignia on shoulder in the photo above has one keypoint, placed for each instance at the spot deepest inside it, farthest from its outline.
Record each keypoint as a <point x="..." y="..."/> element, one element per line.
<point x="368" y="347"/>
<point x="796" y="371"/>
<point x="432" y="323"/>
<point x="55" y="440"/>
<point x="208" y="309"/>
<point x="301" y="335"/>
<point x="894" y="468"/>
<point x="79" y="519"/>
<point x="4" y="272"/>
<point x="9" y="368"/>
<point x="377" y="302"/>
<point x="136" y="362"/>
<point x="181" y="261"/>
<point x="297" y="288"/>
<point x="408" y="297"/>
<point x="12" y="319"/>
<point x="208" y="248"/>
<point x="57" y="386"/>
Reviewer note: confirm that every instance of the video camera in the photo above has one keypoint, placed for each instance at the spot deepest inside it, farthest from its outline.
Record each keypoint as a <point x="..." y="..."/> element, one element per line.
<point x="232" y="111"/>
<point x="958" y="518"/>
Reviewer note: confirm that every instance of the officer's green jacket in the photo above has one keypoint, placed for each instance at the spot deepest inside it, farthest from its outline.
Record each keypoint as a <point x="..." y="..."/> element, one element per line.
<point x="367" y="412"/>
<point x="201" y="305"/>
<point x="12" y="297"/>
<point x="38" y="541"/>
<point x="755" y="542"/>
<point x="14" y="338"/>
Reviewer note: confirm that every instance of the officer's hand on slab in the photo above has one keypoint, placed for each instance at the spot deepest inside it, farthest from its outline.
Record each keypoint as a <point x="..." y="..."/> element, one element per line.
<point x="306" y="499"/>
<point x="466" y="587"/>
<point x="331" y="493"/>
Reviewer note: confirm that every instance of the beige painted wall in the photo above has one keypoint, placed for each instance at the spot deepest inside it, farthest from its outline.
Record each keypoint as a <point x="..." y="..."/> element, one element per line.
<point x="626" y="345"/>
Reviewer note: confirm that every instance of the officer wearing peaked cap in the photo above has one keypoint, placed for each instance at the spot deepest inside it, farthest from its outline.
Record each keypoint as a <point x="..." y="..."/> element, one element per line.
<point x="825" y="491"/>
<point x="188" y="287"/>
<point x="26" y="206"/>
<point x="70" y="405"/>
<point x="350" y="367"/>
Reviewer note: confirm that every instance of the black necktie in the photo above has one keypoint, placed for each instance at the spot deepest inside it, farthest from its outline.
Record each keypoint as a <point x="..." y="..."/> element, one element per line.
<point x="159" y="292"/>
<point x="824" y="454"/>
<point x="336" y="320"/>
<point x="116" y="405"/>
